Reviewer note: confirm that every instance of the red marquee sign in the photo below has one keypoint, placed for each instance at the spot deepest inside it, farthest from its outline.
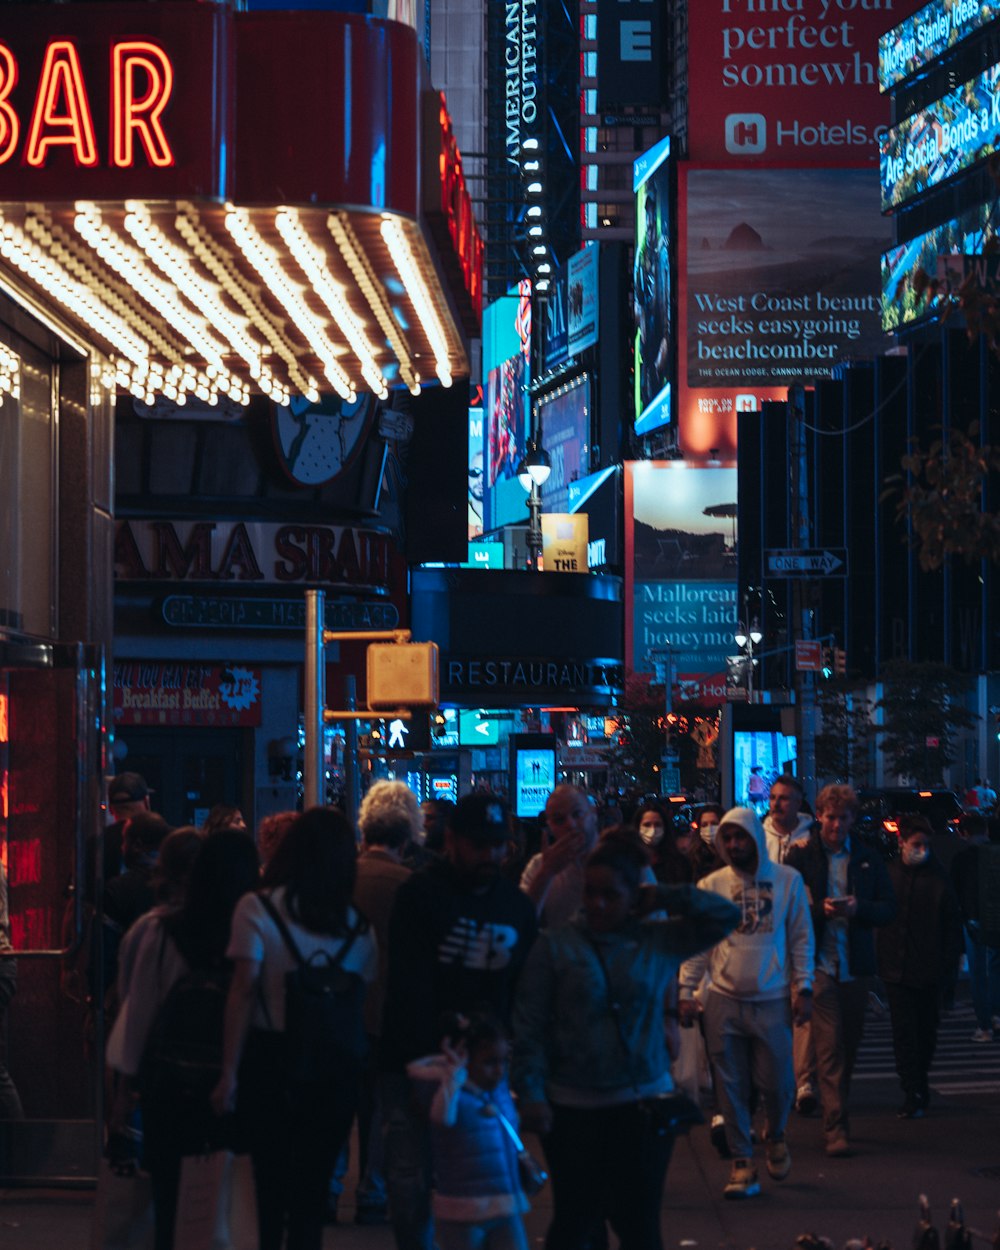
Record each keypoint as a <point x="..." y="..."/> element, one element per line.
<point x="447" y="201"/>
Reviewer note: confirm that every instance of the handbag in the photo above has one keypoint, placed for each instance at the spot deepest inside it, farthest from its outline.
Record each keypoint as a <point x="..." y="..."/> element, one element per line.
<point x="532" y="1174"/>
<point x="198" y="1193"/>
<point x="659" y="1114"/>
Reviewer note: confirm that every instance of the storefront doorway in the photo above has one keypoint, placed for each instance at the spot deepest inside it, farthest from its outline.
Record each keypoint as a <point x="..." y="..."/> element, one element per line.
<point x="189" y="769"/>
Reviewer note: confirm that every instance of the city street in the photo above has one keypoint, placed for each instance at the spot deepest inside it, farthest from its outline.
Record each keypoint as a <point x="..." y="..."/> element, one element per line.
<point x="954" y="1152"/>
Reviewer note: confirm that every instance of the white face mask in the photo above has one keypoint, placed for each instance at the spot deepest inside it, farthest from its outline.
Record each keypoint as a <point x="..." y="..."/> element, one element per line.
<point x="913" y="856"/>
<point x="708" y="833"/>
<point x="652" y="835"/>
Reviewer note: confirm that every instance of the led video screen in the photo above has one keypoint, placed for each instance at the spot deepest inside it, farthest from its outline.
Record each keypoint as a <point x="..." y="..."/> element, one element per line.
<point x="655" y="348"/>
<point x="564" y="419"/>
<point x="931" y="31"/>
<point x="934" y="144"/>
<point x="506" y="350"/>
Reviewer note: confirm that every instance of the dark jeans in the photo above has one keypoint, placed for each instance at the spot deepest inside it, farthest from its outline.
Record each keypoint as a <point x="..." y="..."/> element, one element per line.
<point x="294" y="1136"/>
<point x="605" y="1164"/>
<point x="915" y="1013"/>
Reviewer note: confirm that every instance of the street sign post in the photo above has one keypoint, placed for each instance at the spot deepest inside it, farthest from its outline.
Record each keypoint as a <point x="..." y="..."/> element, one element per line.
<point x="806" y="562"/>
<point x="808" y="656"/>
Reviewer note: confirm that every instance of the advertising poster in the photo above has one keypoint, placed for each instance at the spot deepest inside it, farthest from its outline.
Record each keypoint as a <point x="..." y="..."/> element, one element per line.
<point x="655" y="348"/>
<point x="534" y="779"/>
<point x="681" y="562"/>
<point x="794" y="82"/>
<point x="564" y="542"/>
<point x="555" y="344"/>
<point x="773" y="298"/>
<point x="932" y="145"/>
<point x="904" y="297"/>
<point x="581" y="301"/>
<point x="477" y="446"/>
<point x="161" y="693"/>
<point x="506" y="349"/>
<point x="564" y="420"/>
<point x="932" y="30"/>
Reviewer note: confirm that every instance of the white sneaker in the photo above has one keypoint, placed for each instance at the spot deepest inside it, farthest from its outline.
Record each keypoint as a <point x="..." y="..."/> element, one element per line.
<point x="982" y="1035"/>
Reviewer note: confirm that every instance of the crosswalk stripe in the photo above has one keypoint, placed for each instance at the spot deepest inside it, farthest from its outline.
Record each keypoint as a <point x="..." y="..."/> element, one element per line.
<point x="961" y="1066"/>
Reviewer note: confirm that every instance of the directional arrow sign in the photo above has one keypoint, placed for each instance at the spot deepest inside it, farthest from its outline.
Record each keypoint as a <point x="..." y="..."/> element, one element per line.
<point x="806" y="562"/>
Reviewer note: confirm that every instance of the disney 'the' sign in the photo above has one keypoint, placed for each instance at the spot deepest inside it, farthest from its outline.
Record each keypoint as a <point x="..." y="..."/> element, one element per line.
<point x="142" y="81"/>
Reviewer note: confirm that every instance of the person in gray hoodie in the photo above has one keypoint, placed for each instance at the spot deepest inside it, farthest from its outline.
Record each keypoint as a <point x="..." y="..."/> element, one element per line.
<point x="759" y="980"/>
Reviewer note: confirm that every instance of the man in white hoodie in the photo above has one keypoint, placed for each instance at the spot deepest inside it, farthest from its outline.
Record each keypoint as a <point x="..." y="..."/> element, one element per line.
<point x="785" y="823"/>
<point x="759" y="980"/>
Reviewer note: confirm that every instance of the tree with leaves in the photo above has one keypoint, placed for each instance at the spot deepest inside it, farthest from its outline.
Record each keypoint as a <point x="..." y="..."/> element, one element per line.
<point x="845" y="733"/>
<point x="923" y="712"/>
<point x="943" y="492"/>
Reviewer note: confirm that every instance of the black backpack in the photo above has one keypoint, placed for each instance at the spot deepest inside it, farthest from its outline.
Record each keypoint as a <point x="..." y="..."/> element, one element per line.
<point x="324" y="1026"/>
<point x="182" y="1061"/>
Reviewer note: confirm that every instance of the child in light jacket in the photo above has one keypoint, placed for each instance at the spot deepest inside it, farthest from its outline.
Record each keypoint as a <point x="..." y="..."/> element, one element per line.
<point x="478" y="1198"/>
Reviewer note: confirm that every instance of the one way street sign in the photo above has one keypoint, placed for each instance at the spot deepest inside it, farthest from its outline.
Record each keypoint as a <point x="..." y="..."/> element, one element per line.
<point x="806" y="562"/>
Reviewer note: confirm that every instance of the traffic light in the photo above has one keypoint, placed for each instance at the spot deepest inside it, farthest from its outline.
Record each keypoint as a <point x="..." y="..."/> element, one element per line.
<point x="840" y="661"/>
<point x="827" y="662"/>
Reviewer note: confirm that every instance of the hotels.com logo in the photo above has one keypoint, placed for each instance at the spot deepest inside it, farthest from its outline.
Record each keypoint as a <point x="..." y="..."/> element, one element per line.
<point x="746" y="133"/>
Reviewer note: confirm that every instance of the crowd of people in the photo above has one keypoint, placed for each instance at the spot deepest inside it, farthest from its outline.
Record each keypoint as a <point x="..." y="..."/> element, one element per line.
<point x="474" y="987"/>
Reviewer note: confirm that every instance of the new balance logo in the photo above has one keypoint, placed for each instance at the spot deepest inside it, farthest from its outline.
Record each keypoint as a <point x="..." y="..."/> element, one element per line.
<point x="746" y="133"/>
<point x="485" y="947"/>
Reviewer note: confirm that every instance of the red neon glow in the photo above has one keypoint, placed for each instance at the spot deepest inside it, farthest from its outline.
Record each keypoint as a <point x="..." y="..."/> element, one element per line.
<point x="10" y="126"/>
<point x="61" y="83"/>
<point x="24" y="862"/>
<point x="456" y="205"/>
<point x="4" y="790"/>
<point x="4" y="734"/>
<point x="131" y="116"/>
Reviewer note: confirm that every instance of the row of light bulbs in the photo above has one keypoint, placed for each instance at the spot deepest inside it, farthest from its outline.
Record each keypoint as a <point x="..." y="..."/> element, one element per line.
<point x="186" y="287"/>
<point x="10" y="374"/>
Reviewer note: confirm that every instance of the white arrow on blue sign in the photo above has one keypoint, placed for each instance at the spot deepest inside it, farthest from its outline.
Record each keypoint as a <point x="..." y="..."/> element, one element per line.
<point x="806" y="562"/>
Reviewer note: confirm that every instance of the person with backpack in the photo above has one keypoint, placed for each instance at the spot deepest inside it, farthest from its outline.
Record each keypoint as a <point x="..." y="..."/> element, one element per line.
<point x="171" y="1044"/>
<point x="294" y="1031"/>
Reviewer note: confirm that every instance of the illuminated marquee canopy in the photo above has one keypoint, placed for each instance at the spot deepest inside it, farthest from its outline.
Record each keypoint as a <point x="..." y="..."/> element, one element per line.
<point x="277" y="246"/>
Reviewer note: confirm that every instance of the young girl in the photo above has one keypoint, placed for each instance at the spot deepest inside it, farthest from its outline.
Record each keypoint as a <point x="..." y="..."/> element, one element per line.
<point x="478" y="1198"/>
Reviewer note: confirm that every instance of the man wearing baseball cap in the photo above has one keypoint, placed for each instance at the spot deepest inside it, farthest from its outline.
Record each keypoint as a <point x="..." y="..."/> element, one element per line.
<point x="458" y="936"/>
<point x="128" y="795"/>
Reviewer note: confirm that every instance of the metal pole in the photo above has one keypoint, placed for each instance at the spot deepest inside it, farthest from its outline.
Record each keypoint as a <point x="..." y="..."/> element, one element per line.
<point x="352" y="775"/>
<point x="805" y="681"/>
<point x="315" y="700"/>
<point x="534" y="525"/>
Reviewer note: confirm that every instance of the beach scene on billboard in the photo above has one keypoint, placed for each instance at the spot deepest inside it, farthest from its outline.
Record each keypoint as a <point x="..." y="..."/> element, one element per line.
<point x="931" y="31"/>
<point x="907" y="296"/>
<point x="684" y="560"/>
<point x="506" y="348"/>
<point x="654" y="330"/>
<point x="775" y="296"/>
<point x="933" y="145"/>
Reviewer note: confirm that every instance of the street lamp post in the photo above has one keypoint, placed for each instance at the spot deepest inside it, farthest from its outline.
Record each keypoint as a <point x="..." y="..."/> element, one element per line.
<point x="746" y="638"/>
<point x="532" y="473"/>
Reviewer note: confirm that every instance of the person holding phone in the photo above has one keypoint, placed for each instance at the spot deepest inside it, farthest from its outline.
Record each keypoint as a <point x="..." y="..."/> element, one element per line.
<point x="850" y="896"/>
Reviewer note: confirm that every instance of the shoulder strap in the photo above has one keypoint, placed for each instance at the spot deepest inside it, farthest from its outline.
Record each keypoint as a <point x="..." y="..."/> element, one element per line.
<point x="289" y="941"/>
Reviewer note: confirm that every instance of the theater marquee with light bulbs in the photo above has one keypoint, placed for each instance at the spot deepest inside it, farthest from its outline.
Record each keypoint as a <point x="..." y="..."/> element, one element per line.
<point x="222" y="203"/>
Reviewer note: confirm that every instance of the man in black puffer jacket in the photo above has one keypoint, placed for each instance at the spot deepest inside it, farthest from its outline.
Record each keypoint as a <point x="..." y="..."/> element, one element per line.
<point x="918" y="956"/>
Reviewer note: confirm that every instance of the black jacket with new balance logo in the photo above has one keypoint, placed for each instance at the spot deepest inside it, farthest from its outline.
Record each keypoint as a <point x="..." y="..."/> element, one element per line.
<point x="451" y="948"/>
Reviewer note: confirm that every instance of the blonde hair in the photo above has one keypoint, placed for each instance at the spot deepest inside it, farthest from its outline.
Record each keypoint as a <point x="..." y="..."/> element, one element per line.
<point x="389" y="815"/>
<point x="837" y="796"/>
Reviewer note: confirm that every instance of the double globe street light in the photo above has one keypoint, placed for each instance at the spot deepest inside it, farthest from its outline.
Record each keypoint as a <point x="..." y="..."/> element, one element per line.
<point x="532" y="473"/>
<point x="746" y="639"/>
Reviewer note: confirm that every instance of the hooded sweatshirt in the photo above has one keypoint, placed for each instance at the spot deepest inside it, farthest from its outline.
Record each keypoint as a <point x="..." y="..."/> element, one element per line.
<point x="772" y="948"/>
<point x="779" y="844"/>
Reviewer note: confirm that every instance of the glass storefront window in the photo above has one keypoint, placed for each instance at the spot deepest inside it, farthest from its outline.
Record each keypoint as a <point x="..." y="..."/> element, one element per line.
<point x="27" y="598"/>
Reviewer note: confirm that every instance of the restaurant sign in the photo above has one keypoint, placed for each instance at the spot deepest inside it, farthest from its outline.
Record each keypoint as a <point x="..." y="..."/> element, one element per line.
<point x="158" y="693"/>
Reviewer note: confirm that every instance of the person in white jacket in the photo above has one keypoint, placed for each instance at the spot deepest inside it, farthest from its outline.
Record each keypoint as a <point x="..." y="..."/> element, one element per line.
<point x="785" y="824"/>
<point x="759" y="980"/>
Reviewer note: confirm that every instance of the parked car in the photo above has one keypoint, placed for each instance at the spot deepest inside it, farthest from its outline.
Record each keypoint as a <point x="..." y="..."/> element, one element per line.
<point x="943" y="808"/>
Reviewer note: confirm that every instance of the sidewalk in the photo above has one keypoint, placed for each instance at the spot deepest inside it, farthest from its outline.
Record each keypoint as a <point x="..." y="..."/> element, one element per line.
<point x="954" y="1152"/>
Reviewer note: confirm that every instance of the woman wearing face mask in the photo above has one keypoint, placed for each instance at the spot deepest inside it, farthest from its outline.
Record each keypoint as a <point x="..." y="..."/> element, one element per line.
<point x="670" y="865"/>
<point x="917" y="955"/>
<point x="703" y="855"/>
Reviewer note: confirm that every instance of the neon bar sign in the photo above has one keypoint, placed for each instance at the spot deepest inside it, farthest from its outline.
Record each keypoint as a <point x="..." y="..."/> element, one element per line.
<point x="142" y="81"/>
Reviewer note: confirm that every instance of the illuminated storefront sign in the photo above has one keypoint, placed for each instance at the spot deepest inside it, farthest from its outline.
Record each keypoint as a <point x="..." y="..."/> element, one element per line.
<point x="928" y="34"/>
<point x="941" y="140"/>
<point x="214" y="240"/>
<point x="655" y="340"/>
<point x="520" y="73"/>
<point x="157" y="693"/>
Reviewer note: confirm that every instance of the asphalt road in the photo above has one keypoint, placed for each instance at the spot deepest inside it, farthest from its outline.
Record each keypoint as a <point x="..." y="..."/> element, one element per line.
<point x="954" y="1152"/>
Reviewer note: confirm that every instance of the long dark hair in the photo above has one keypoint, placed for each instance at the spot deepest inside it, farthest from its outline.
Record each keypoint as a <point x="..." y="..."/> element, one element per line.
<point x="316" y="862"/>
<point x="621" y="849"/>
<point x="225" y="869"/>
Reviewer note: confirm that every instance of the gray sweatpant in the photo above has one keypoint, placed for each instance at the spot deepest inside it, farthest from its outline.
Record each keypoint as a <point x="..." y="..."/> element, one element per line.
<point x="750" y="1046"/>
